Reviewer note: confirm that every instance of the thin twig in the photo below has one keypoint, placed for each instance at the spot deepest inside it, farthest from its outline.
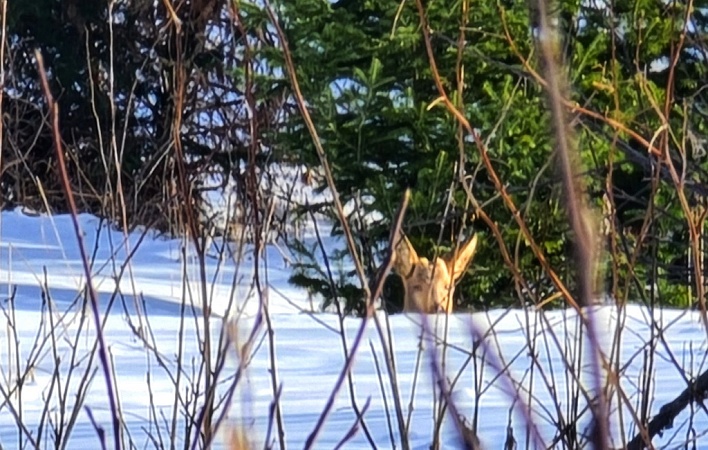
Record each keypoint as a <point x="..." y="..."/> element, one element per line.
<point x="342" y="330"/>
<point x="93" y="296"/>
<point x="579" y="214"/>
<point x="498" y="185"/>
<point x="378" y="286"/>
<point x="290" y="66"/>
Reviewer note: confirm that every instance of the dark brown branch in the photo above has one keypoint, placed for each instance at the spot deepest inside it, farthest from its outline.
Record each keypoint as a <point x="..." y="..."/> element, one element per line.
<point x="696" y="391"/>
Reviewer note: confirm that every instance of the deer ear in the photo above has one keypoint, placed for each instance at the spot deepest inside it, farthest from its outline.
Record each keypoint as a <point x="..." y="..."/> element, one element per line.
<point x="457" y="263"/>
<point x="404" y="255"/>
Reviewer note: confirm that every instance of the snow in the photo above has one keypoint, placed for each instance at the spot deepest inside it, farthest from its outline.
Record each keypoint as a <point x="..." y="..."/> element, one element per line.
<point x="147" y="326"/>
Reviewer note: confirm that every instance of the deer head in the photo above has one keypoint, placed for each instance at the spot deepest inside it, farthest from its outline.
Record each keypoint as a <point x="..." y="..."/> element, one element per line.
<point x="429" y="285"/>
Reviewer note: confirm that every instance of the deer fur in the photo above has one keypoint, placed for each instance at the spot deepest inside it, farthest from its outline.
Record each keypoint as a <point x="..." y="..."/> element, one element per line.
<point x="429" y="285"/>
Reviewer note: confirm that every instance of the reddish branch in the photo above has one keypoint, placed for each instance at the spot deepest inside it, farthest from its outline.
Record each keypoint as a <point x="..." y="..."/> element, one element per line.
<point x="93" y="296"/>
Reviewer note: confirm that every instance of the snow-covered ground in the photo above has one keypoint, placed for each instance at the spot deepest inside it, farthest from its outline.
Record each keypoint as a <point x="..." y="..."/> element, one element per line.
<point x="503" y="366"/>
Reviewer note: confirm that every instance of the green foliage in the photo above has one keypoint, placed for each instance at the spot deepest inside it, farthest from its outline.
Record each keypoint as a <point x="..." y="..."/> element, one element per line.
<point x="318" y="279"/>
<point x="367" y="80"/>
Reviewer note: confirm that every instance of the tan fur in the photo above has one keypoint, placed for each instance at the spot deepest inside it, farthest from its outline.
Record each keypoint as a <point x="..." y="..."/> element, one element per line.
<point x="429" y="285"/>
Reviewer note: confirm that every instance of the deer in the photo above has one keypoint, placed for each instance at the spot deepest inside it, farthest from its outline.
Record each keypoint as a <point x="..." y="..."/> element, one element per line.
<point x="430" y="285"/>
